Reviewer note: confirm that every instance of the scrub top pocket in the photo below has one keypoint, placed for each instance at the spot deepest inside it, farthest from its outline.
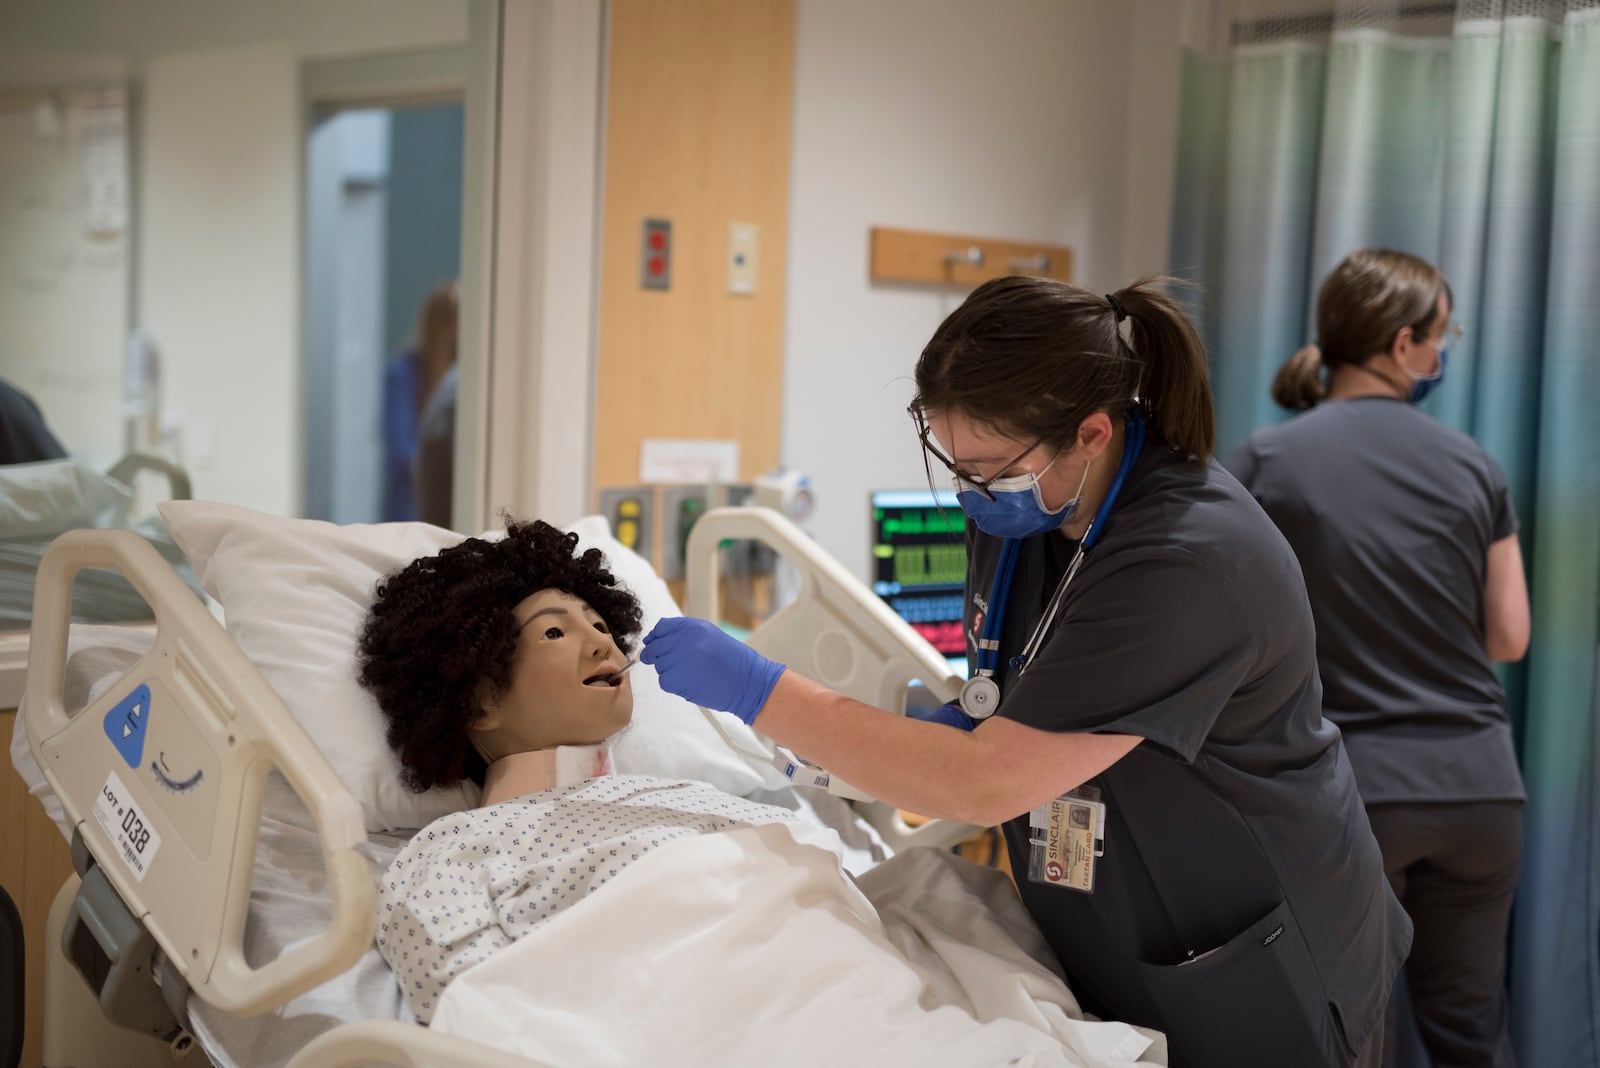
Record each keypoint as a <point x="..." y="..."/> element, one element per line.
<point x="1256" y="1000"/>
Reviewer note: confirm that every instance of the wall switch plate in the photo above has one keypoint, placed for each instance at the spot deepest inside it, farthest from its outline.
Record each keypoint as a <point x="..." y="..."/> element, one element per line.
<point x="655" y="254"/>
<point x="742" y="260"/>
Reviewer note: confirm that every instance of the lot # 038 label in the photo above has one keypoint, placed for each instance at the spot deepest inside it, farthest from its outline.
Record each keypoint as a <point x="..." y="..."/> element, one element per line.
<point x="127" y="826"/>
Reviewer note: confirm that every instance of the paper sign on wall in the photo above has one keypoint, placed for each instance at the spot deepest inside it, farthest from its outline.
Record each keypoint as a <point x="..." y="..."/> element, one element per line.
<point x="675" y="461"/>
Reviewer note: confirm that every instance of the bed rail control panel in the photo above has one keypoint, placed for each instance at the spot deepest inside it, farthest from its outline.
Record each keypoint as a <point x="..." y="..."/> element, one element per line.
<point x="137" y="985"/>
<point x="161" y="777"/>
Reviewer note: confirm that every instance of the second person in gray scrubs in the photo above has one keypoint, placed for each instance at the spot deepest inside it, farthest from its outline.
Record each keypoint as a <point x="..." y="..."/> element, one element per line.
<point x="1407" y="538"/>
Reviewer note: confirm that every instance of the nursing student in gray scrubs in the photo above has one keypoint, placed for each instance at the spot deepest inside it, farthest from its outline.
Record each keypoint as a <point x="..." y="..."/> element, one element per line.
<point x="1184" y="824"/>
<point x="1406" y="535"/>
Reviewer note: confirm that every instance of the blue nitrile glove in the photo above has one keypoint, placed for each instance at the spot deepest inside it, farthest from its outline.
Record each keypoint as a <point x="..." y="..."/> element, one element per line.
<point x="699" y="662"/>
<point x="948" y="714"/>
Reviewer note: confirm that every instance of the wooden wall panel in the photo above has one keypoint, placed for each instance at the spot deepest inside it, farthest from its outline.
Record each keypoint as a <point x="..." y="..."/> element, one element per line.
<point x="919" y="256"/>
<point x="698" y="116"/>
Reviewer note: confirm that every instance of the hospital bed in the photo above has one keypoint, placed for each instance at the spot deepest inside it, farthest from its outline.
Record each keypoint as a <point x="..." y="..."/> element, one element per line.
<point x="41" y="500"/>
<point x="188" y="911"/>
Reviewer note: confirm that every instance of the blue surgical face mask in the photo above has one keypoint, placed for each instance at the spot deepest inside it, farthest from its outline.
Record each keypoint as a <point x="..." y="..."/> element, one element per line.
<point x="1422" y="385"/>
<point x="1018" y="509"/>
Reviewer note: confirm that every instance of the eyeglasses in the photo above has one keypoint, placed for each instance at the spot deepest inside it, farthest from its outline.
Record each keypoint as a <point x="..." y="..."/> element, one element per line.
<point x="925" y="435"/>
<point x="1452" y="336"/>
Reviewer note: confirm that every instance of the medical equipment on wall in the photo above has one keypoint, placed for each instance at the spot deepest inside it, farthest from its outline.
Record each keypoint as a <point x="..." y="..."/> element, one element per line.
<point x="919" y="565"/>
<point x="631" y="512"/>
<point x="791" y="495"/>
<point x="154" y="440"/>
<point x="655" y="520"/>
<point x="786" y="492"/>
<point x="756" y="582"/>
<point x="141" y="391"/>
<point x="980" y="694"/>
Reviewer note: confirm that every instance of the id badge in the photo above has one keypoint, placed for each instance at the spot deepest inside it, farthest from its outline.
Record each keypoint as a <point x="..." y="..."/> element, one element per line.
<point x="1065" y="839"/>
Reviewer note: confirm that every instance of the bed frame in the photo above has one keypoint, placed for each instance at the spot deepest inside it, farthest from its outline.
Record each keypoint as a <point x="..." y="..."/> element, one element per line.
<point x="194" y="730"/>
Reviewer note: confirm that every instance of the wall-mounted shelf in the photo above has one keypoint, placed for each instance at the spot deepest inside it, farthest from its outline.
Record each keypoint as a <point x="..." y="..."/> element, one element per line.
<point x="948" y="259"/>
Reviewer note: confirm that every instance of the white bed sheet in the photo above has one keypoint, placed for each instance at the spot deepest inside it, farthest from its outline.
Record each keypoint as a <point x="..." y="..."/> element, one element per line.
<point x="288" y="899"/>
<point x="749" y="946"/>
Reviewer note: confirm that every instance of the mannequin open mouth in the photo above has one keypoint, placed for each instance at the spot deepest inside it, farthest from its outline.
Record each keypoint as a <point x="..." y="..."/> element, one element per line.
<point x="608" y="679"/>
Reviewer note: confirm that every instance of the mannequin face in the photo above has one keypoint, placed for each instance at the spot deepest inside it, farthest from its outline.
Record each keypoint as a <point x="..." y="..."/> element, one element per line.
<point x="558" y="693"/>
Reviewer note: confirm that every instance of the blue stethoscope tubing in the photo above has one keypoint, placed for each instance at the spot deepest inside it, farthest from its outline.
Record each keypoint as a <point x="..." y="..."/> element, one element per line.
<point x="980" y="696"/>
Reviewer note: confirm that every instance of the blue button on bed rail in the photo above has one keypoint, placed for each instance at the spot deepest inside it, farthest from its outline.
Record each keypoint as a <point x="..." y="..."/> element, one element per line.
<point x="126" y="722"/>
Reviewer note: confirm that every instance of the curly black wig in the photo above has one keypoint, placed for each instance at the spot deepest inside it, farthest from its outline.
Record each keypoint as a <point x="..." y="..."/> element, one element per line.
<point x="443" y="623"/>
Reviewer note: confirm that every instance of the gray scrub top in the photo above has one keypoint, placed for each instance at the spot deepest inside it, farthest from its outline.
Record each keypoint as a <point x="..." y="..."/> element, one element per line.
<point x="1241" y="904"/>
<point x="1392" y="514"/>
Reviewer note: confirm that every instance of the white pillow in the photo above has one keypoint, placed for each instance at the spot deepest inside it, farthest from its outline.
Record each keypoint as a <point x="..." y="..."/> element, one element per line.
<point x="294" y="593"/>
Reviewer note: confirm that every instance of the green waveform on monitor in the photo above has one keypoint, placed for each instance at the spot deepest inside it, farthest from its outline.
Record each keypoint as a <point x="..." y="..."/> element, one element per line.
<point x="930" y="565"/>
<point x="923" y="521"/>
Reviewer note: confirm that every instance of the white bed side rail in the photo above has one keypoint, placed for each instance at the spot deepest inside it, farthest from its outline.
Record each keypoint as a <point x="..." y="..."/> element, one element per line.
<point x="162" y="777"/>
<point x="404" y="1045"/>
<point x="836" y="632"/>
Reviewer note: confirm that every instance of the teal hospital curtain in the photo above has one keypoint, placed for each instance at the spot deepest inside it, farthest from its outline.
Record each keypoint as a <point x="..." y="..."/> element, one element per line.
<point x="1467" y="132"/>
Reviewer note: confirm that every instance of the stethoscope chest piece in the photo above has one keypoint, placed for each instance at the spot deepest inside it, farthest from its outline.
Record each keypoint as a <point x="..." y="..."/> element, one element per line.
<point x="980" y="696"/>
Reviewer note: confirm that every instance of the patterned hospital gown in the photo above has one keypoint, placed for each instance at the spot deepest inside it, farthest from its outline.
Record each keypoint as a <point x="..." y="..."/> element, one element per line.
<point x="474" y="882"/>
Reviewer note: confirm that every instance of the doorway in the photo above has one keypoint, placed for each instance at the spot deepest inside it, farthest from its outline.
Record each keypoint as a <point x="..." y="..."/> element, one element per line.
<point x="383" y="251"/>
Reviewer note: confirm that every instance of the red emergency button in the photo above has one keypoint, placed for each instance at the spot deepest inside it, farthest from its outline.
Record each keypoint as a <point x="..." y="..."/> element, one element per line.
<point x="655" y="254"/>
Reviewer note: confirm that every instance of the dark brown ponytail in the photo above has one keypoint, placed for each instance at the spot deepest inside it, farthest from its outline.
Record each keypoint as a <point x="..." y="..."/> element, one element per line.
<point x="1298" y="385"/>
<point x="1034" y="358"/>
<point x="1177" y="380"/>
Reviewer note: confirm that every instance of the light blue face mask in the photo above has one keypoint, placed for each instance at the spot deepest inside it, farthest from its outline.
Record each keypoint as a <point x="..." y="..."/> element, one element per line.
<point x="1018" y="509"/>
<point x="1422" y="385"/>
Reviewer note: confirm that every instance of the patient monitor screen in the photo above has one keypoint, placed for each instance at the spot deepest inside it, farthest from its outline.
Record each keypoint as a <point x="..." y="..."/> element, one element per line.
<point x="919" y="564"/>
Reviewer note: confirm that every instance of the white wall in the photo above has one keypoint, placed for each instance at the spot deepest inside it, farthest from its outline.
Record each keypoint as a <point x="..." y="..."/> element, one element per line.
<point x="1153" y="82"/>
<point x="1042" y="120"/>
<point x="63" y="278"/>
<point x="218" y="262"/>
<point x="218" y="188"/>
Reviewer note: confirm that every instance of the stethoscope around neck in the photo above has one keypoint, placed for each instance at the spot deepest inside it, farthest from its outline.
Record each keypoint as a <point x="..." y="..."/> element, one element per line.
<point x="980" y="695"/>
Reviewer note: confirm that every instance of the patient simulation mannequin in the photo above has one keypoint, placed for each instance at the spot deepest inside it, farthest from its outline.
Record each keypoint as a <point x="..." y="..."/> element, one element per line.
<point x="494" y="658"/>
<point x="498" y="661"/>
